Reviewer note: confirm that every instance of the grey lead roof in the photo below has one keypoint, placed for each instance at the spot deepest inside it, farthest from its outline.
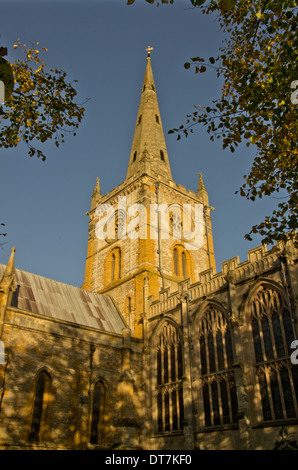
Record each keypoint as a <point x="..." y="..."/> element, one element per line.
<point x="61" y="301"/>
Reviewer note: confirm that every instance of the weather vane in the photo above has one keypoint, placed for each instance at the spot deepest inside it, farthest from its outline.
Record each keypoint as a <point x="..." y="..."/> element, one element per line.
<point x="149" y="48"/>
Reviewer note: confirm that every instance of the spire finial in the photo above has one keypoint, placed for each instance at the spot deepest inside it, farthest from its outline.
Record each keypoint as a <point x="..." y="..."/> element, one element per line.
<point x="201" y="182"/>
<point x="97" y="187"/>
<point x="149" y="49"/>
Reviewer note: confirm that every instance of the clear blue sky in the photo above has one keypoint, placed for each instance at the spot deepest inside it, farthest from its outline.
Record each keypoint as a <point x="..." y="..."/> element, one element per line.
<point x="102" y="44"/>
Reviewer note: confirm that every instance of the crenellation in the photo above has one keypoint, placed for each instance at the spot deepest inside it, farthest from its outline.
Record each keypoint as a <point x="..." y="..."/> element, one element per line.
<point x="230" y="264"/>
<point x="259" y="261"/>
<point x="257" y="253"/>
<point x="192" y="193"/>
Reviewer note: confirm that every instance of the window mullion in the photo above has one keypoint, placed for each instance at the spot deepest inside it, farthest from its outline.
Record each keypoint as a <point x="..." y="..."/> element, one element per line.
<point x="210" y="402"/>
<point x="272" y="336"/>
<point x="281" y="394"/>
<point x="267" y="375"/>
<point x="292" y="388"/>
<point x="262" y="339"/>
<point x="218" y="379"/>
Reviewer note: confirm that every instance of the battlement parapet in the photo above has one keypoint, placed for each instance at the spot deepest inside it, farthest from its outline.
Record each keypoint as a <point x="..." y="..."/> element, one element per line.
<point x="259" y="262"/>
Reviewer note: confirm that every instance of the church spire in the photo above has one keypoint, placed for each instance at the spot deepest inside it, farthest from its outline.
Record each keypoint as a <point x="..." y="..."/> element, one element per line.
<point x="149" y="152"/>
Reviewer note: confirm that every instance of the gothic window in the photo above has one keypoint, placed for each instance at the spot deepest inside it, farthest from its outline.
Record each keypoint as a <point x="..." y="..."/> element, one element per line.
<point x="113" y="266"/>
<point x="98" y="401"/>
<point x="217" y="375"/>
<point x="116" y="264"/>
<point x="272" y="333"/>
<point x="169" y="380"/>
<point x="176" y="223"/>
<point x="41" y="399"/>
<point x="175" y="259"/>
<point x="181" y="262"/>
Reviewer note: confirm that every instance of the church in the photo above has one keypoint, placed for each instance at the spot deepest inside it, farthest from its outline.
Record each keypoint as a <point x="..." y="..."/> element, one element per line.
<point x="156" y="350"/>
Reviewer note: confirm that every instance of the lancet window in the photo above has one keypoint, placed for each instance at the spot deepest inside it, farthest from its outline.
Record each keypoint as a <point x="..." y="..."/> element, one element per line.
<point x="273" y="333"/>
<point x="181" y="262"/>
<point x="116" y="264"/>
<point x="98" y="401"/>
<point x="169" y="380"/>
<point x="216" y="369"/>
<point x="40" y="407"/>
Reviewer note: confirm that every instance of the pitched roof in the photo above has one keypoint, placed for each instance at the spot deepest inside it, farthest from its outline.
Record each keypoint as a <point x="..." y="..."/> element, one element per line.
<point x="54" y="299"/>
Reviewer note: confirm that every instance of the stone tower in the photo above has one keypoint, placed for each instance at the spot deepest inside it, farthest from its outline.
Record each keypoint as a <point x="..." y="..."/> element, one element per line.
<point x="149" y="233"/>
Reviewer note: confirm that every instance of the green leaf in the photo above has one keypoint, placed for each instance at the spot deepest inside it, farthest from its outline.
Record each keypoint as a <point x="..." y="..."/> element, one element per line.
<point x="197" y="3"/>
<point x="226" y="5"/>
<point x="187" y="65"/>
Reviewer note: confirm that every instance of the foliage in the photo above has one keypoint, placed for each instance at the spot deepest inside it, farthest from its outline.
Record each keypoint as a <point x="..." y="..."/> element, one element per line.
<point x="258" y="65"/>
<point x="42" y="105"/>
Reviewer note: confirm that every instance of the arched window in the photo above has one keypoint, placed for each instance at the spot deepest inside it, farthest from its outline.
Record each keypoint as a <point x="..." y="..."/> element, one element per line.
<point x="272" y="333"/>
<point x="217" y="375"/>
<point x="116" y="264"/>
<point x="162" y="156"/>
<point x="181" y="262"/>
<point x="169" y="380"/>
<point x="41" y="399"/>
<point x="112" y="266"/>
<point x="98" y="403"/>
<point x="175" y="258"/>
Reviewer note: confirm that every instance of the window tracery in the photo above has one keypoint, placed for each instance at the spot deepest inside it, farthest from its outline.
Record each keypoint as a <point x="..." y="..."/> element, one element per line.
<point x="216" y="367"/>
<point x="169" y="380"/>
<point x="272" y="332"/>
